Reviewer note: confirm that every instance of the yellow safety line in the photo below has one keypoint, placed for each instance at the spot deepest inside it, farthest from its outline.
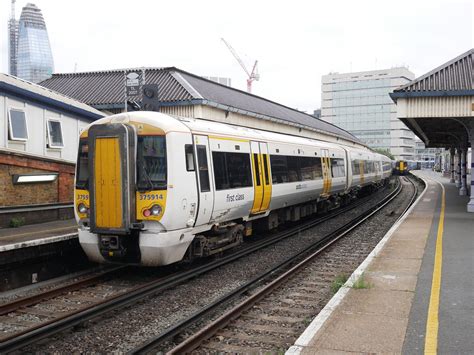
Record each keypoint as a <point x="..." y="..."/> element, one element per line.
<point x="432" y="324"/>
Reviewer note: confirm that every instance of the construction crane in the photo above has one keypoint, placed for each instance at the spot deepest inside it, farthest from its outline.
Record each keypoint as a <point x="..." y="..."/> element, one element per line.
<point x="251" y="76"/>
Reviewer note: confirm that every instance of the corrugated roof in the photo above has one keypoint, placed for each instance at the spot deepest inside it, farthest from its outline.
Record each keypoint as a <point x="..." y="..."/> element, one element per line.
<point x="102" y="88"/>
<point x="35" y="91"/>
<point x="455" y="75"/>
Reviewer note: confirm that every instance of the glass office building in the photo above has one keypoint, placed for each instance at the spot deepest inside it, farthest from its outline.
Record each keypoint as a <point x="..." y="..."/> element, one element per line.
<point x="360" y="103"/>
<point x="34" y="57"/>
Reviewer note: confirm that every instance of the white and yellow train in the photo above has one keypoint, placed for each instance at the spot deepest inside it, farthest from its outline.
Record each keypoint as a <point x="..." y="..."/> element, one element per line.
<point x="153" y="189"/>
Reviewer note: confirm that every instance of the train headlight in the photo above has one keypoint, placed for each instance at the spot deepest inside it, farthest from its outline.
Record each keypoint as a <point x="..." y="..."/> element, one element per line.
<point x="156" y="210"/>
<point x="82" y="208"/>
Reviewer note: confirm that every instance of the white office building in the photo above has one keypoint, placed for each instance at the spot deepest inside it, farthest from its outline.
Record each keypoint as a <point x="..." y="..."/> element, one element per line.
<point x="360" y="103"/>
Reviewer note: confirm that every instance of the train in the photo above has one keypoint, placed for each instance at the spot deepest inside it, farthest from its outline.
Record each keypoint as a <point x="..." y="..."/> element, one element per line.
<point x="153" y="189"/>
<point x="403" y="167"/>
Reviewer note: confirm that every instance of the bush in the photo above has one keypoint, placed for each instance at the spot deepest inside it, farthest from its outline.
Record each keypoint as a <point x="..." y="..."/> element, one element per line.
<point x="17" y="222"/>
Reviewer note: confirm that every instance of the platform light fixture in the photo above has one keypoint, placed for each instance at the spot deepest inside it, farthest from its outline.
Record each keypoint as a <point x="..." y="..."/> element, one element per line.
<point x="33" y="178"/>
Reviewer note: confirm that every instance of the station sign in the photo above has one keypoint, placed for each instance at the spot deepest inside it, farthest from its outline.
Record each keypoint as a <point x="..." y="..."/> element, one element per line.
<point x="133" y="82"/>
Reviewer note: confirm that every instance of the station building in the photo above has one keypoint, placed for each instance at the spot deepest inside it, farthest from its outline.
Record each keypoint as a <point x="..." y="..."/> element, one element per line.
<point x="39" y="133"/>
<point x="188" y="95"/>
<point x="439" y="108"/>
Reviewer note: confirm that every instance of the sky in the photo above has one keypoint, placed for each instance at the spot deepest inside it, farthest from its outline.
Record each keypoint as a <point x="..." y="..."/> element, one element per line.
<point x="295" y="43"/>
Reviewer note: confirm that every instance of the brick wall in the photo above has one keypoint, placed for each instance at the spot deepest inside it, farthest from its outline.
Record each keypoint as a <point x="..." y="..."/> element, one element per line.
<point x="60" y="190"/>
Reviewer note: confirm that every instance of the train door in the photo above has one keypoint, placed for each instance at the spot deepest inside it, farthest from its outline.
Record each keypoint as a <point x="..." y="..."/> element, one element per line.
<point x="326" y="164"/>
<point x="206" y="197"/>
<point x="261" y="177"/>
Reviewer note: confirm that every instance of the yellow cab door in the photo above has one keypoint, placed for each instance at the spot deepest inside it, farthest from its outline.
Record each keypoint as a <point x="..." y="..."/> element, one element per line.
<point x="261" y="177"/>
<point x="326" y="165"/>
<point x="108" y="183"/>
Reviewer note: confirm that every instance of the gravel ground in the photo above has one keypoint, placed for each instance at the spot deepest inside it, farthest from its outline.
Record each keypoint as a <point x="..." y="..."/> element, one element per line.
<point x="122" y="330"/>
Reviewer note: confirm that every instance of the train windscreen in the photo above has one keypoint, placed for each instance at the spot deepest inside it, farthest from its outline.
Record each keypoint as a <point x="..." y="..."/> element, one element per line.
<point x="151" y="163"/>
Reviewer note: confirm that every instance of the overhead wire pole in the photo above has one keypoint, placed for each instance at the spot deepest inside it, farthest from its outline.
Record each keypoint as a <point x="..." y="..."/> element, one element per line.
<point x="251" y="76"/>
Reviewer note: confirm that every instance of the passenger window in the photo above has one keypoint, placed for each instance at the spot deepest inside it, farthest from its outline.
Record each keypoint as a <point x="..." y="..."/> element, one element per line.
<point x="203" y="168"/>
<point x="265" y="168"/>
<point x="189" y="156"/>
<point x="257" y="169"/>
<point x="231" y="170"/>
<point x="337" y="167"/>
<point x="279" y="169"/>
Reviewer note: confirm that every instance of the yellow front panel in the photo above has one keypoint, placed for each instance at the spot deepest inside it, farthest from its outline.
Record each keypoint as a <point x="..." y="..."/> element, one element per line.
<point x="82" y="196"/>
<point x="258" y="190"/>
<point x="108" y="183"/>
<point x="146" y="200"/>
<point x="402" y="166"/>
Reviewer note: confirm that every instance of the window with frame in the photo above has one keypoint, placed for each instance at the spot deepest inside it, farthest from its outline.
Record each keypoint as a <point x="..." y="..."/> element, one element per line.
<point x="338" y="167"/>
<point x="18" y="130"/>
<point x="355" y="167"/>
<point x="231" y="170"/>
<point x="279" y="169"/>
<point x="151" y="163"/>
<point x="55" y="134"/>
<point x="82" y="166"/>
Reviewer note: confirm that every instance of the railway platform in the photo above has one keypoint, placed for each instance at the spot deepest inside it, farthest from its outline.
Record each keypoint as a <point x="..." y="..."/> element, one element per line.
<point x="37" y="234"/>
<point x="38" y="252"/>
<point x="417" y="291"/>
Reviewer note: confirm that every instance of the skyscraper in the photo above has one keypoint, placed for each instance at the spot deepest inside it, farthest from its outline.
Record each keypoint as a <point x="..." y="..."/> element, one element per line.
<point x="12" y="41"/>
<point x="30" y="52"/>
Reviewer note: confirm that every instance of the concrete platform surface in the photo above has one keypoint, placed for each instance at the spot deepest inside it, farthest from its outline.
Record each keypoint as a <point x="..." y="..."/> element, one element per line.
<point x="35" y="234"/>
<point x="389" y="316"/>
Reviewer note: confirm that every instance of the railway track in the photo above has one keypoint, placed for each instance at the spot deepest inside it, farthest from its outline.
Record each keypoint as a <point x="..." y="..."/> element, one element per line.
<point x="40" y="316"/>
<point x="275" y="314"/>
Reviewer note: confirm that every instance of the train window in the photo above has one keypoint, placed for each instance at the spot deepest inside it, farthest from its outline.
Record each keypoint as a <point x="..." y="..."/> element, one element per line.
<point x="189" y="156"/>
<point x="151" y="163"/>
<point x="293" y="169"/>
<point x="231" y="170"/>
<point x="310" y="168"/>
<point x="82" y="167"/>
<point x="265" y="168"/>
<point x="257" y="169"/>
<point x="355" y="167"/>
<point x="338" y="167"/>
<point x="203" y="168"/>
<point x="279" y="169"/>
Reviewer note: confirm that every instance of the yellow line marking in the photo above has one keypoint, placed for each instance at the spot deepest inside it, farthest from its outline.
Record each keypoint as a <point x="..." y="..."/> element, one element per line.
<point x="37" y="232"/>
<point x="229" y="139"/>
<point x="432" y="324"/>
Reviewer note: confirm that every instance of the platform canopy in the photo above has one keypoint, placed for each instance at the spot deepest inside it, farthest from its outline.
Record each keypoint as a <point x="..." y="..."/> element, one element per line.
<point x="439" y="106"/>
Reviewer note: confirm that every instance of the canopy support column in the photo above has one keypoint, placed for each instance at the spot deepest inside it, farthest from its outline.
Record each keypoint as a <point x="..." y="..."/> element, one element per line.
<point x="462" y="190"/>
<point x="451" y="161"/>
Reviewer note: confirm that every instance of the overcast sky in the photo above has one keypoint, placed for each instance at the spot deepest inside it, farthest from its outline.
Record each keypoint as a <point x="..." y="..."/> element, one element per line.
<point x="295" y="42"/>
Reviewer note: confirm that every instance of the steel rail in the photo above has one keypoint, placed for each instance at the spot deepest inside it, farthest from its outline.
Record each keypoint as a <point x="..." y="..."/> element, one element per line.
<point x="57" y="291"/>
<point x="192" y="342"/>
<point x="19" y="340"/>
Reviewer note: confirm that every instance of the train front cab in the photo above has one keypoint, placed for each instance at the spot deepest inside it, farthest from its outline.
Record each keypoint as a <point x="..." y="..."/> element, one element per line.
<point x="401" y="167"/>
<point x="123" y="182"/>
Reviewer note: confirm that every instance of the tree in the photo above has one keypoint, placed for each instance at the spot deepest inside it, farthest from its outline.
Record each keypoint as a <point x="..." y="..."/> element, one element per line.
<point x="384" y="152"/>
